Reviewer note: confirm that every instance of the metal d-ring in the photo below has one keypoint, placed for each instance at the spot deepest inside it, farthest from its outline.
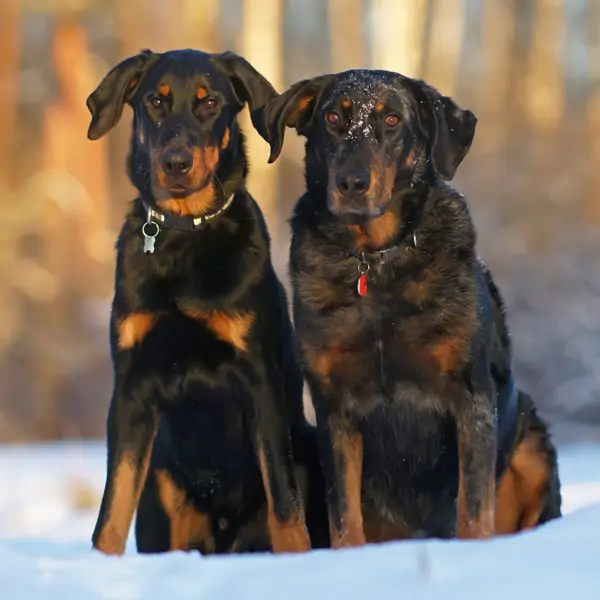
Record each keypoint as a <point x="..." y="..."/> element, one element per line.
<point x="149" y="240"/>
<point x="145" y="232"/>
<point x="363" y="265"/>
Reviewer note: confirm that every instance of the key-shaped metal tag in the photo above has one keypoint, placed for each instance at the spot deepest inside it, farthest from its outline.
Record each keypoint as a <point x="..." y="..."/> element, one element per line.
<point x="150" y="238"/>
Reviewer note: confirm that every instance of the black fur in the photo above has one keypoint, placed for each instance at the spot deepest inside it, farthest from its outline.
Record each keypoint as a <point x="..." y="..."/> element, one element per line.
<point x="202" y="344"/>
<point x="412" y="383"/>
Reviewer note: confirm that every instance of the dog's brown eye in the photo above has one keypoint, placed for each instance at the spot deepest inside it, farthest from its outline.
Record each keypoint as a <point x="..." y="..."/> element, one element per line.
<point x="156" y="102"/>
<point x="210" y="103"/>
<point x="332" y="118"/>
<point x="392" y="120"/>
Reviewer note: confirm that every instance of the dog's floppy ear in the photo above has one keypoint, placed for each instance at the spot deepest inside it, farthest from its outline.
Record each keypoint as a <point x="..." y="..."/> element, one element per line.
<point x="248" y="84"/>
<point x="294" y="108"/>
<point x="118" y="86"/>
<point x="449" y="129"/>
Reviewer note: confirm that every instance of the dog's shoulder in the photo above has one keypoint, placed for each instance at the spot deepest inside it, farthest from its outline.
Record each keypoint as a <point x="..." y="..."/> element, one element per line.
<point x="447" y="218"/>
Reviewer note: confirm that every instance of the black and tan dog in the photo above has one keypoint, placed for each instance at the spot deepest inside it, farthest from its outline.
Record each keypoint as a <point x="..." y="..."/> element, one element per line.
<point x="402" y="330"/>
<point x="207" y="398"/>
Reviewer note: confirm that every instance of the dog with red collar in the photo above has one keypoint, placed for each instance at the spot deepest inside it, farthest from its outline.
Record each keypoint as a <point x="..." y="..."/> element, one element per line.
<point x="423" y="431"/>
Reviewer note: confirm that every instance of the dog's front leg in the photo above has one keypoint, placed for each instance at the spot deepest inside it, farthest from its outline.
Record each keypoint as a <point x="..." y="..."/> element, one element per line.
<point x="475" y="416"/>
<point x="286" y="520"/>
<point x="341" y="450"/>
<point x="131" y="428"/>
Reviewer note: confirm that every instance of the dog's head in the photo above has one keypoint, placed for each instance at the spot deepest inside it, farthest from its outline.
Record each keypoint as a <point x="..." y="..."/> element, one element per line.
<point x="369" y="134"/>
<point x="185" y="103"/>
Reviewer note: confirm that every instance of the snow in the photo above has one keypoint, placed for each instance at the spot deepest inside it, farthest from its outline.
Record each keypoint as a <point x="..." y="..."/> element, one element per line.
<point x="48" y="504"/>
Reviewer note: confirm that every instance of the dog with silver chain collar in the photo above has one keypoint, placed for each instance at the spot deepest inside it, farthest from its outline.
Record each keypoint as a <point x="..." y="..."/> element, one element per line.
<point x="206" y="432"/>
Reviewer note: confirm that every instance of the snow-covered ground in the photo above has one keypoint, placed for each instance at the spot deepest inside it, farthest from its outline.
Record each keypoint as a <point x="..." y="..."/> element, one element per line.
<point x="48" y="503"/>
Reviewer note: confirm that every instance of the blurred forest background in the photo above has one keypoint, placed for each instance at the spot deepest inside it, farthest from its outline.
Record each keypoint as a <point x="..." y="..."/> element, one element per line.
<point x="529" y="69"/>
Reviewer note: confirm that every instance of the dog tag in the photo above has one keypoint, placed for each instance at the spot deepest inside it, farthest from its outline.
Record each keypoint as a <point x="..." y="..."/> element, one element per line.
<point x="150" y="231"/>
<point x="149" y="244"/>
<point x="361" y="284"/>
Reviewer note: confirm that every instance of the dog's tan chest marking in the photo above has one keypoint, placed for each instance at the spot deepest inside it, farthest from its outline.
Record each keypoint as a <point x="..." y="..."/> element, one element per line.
<point x="232" y="328"/>
<point x="134" y="328"/>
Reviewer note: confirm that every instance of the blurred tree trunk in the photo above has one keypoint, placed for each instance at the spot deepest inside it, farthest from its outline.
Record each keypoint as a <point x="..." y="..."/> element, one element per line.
<point x="9" y="102"/>
<point x="68" y="154"/>
<point x="180" y="24"/>
<point x="131" y="37"/>
<point x="346" y="19"/>
<point x="493" y="84"/>
<point x="78" y="242"/>
<point x="200" y="21"/>
<point x="445" y="42"/>
<point x="9" y="79"/>
<point x="307" y="51"/>
<point x="398" y="30"/>
<point x="593" y="112"/>
<point x="261" y="44"/>
<point x="577" y="40"/>
<point x="594" y="61"/>
<point x="131" y="28"/>
<point x="543" y="93"/>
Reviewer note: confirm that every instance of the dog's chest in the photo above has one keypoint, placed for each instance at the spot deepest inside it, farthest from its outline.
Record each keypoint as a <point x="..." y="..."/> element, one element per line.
<point x="410" y="462"/>
<point x="393" y="349"/>
<point x="188" y="266"/>
<point x="421" y="334"/>
<point x="410" y="326"/>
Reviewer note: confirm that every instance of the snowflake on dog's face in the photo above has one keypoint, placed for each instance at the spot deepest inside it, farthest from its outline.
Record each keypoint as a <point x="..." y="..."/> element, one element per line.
<point x="367" y="89"/>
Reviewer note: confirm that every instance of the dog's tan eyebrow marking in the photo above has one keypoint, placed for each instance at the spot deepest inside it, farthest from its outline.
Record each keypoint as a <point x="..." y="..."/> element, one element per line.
<point x="346" y="103"/>
<point x="164" y="89"/>
<point x="379" y="106"/>
<point x="201" y="93"/>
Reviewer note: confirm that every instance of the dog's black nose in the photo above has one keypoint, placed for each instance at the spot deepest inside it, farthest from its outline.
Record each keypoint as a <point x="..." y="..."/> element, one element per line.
<point x="355" y="183"/>
<point x="177" y="161"/>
